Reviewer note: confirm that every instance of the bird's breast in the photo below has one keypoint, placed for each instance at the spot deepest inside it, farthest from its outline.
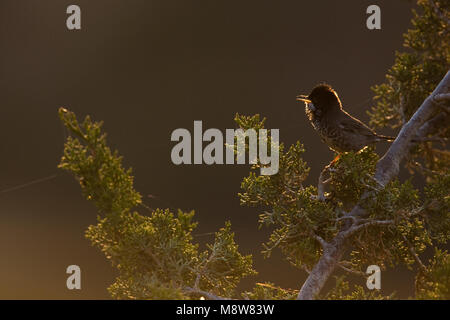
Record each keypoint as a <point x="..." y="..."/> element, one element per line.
<point x="312" y="113"/>
<point x="327" y="132"/>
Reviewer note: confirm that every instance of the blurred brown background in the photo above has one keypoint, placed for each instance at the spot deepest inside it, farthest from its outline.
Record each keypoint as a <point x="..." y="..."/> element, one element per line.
<point x="147" y="68"/>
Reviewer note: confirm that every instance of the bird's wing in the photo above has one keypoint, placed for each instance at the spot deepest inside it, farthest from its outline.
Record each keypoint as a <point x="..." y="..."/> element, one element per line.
<point x="353" y="125"/>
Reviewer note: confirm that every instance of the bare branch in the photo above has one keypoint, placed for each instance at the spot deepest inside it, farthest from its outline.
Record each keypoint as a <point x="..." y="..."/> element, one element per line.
<point x="323" y="269"/>
<point x="355" y="228"/>
<point x="354" y="219"/>
<point x="442" y="97"/>
<point x="322" y="242"/>
<point x="414" y="254"/>
<point x="321" y="185"/>
<point x="305" y="268"/>
<point x="356" y="272"/>
<point x="434" y="124"/>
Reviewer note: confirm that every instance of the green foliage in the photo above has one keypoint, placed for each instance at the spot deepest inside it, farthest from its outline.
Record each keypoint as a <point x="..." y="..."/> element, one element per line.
<point x="436" y="209"/>
<point x="249" y="122"/>
<point x="156" y="249"/>
<point x="143" y="287"/>
<point x="416" y="72"/>
<point x="391" y="244"/>
<point x="154" y="254"/>
<point x="268" y="291"/>
<point x="417" y="219"/>
<point x="295" y="213"/>
<point x="343" y="291"/>
<point x="298" y="218"/>
<point x="222" y="266"/>
<point x="413" y="77"/>
<point x="99" y="171"/>
<point x="434" y="282"/>
<point x="352" y="175"/>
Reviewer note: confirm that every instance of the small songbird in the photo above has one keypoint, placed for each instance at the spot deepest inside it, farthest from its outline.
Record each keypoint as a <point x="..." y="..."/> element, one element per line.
<point x="338" y="129"/>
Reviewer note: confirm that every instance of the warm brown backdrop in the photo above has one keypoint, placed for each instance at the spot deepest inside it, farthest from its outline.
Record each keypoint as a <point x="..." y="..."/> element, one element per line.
<point x="147" y="67"/>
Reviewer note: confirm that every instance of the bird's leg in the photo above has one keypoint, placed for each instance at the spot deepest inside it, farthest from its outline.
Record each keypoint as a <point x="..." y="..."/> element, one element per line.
<point x="334" y="161"/>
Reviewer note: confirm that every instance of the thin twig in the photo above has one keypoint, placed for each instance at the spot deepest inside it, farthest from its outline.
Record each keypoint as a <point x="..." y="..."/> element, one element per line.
<point x="414" y="254"/>
<point x="354" y="228"/>
<point x="321" y="240"/>
<point x="359" y="273"/>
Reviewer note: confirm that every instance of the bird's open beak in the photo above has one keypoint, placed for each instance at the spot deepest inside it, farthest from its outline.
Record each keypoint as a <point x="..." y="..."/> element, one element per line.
<point x="303" y="98"/>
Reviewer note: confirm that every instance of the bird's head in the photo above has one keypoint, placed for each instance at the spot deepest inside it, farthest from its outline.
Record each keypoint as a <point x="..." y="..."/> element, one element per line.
<point x="321" y="100"/>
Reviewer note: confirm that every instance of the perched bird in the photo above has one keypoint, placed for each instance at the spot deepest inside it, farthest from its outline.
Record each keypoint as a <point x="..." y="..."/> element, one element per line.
<point x="338" y="129"/>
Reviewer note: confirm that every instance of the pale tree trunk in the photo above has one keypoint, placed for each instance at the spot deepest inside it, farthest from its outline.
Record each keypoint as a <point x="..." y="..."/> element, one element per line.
<point x="322" y="270"/>
<point x="420" y="125"/>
